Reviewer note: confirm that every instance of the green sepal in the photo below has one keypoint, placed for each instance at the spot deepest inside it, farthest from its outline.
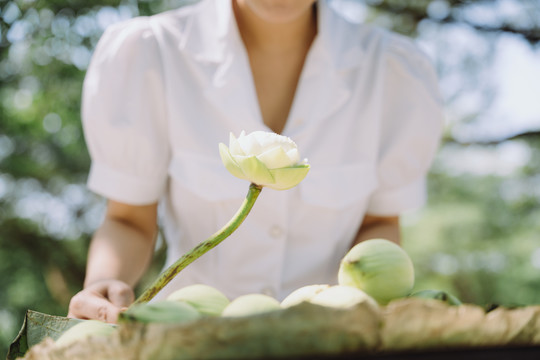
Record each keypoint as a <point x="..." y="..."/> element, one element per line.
<point x="230" y="164"/>
<point x="255" y="170"/>
<point x="286" y="178"/>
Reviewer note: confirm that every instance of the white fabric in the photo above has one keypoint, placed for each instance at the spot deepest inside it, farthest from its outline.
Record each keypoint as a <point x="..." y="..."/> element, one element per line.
<point x="162" y="92"/>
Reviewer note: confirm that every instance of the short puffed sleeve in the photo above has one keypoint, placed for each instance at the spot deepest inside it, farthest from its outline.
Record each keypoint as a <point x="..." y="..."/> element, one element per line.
<point x="124" y="115"/>
<point x="410" y="129"/>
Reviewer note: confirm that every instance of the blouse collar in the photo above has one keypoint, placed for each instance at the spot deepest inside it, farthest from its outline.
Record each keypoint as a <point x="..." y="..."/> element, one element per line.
<point x="218" y="17"/>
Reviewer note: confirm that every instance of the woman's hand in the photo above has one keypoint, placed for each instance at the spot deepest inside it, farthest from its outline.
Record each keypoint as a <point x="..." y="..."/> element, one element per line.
<point x="103" y="300"/>
<point x="120" y="251"/>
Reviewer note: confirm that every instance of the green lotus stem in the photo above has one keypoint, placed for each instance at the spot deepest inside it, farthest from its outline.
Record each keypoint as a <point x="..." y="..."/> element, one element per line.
<point x="166" y="276"/>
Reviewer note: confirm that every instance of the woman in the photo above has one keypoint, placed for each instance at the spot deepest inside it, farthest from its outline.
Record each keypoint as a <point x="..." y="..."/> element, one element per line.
<point x="162" y="91"/>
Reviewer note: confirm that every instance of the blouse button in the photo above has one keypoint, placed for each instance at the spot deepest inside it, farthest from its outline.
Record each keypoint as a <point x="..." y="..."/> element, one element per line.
<point x="275" y="231"/>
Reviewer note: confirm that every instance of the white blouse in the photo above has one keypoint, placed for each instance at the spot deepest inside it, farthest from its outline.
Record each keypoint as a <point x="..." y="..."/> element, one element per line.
<point x="161" y="93"/>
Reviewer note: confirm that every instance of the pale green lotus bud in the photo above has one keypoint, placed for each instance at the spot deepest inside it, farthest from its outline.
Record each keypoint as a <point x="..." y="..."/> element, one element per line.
<point x="303" y="294"/>
<point x="251" y="304"/>
<point x="206" y="299"/>
<point x="379" y="267"/>
<point x="265" y="159"/>
<point x="343" y="297"/>
<point x="83" y="330"/>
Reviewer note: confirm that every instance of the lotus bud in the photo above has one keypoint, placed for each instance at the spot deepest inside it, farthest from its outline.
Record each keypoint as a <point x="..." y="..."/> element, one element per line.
<point x="341" y="296"/>
<point x="379" y="267"/>
<point x="83" y="330"/>
<point x="206" y="299"/>
<point x="303" y="294"/>
<point x="251" y="304"/>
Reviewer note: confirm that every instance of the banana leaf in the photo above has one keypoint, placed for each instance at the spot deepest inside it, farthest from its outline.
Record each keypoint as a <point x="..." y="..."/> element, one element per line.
<point x="410" y="324"/>
<point x="35" y="328"/>
<point x="306" y="331"/>
<point x="302" y="330"/>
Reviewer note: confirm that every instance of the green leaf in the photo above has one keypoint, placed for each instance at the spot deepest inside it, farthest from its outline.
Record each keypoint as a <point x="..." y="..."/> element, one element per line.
<point x="36" y="327"/>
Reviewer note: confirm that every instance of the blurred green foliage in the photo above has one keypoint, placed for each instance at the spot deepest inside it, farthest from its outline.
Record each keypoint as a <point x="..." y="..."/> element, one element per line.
<point x="46" y="214"/>
<point x="477" y="237"/>
<point x="477" y="240"/>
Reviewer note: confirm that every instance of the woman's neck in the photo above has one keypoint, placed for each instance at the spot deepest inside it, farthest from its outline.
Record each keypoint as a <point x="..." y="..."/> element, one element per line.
<point x="259" y="34"/>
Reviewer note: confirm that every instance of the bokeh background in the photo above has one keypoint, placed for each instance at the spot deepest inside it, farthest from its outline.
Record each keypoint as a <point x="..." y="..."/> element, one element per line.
<point x="478" y="237"/>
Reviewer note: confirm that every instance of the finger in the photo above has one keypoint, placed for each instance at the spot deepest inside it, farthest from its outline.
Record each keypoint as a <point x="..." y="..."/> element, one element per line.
<point x="120" y="294"/>
<point x="77" y="307"/>
<point x="86" y="305"/>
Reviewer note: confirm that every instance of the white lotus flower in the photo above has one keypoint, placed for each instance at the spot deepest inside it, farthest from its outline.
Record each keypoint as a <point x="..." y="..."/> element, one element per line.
<point x="265" y="159"/>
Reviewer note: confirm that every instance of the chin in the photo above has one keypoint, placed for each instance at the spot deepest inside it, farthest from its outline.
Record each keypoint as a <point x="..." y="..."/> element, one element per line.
<point x="279" y="11"/>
